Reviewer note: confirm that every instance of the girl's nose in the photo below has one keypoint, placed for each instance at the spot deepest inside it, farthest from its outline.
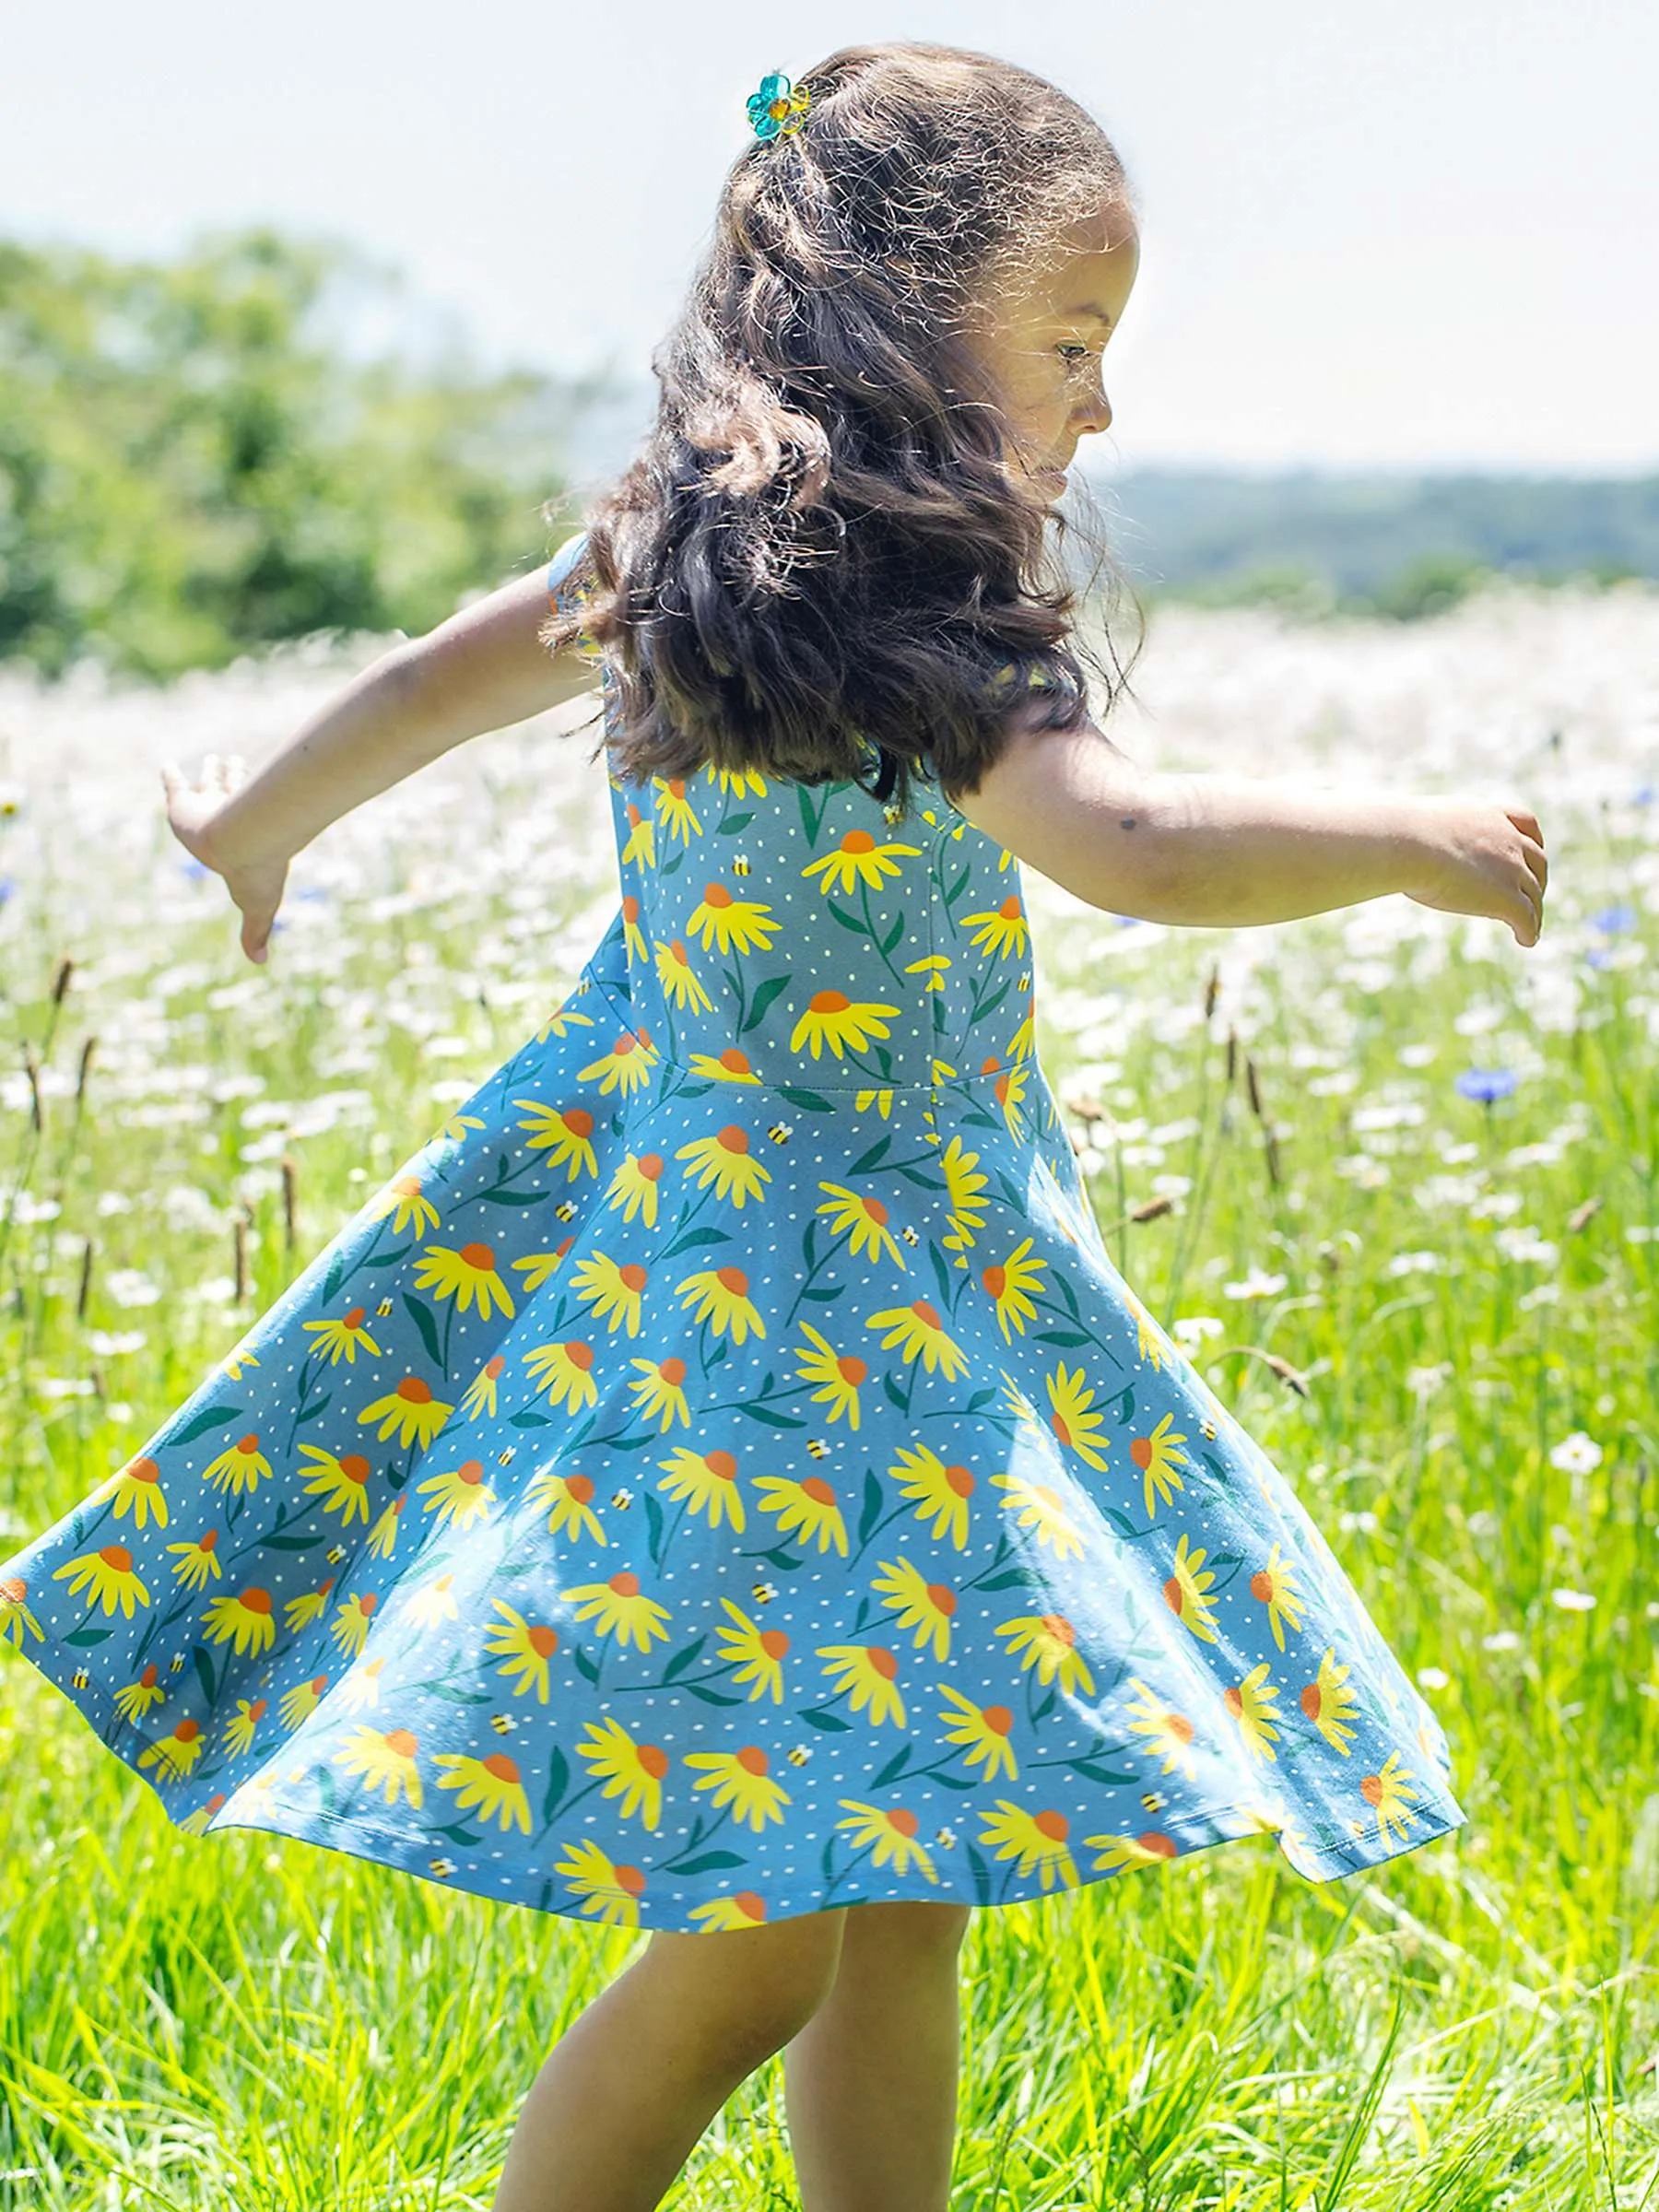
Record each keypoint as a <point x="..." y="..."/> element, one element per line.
<point x="1093" y="415"/>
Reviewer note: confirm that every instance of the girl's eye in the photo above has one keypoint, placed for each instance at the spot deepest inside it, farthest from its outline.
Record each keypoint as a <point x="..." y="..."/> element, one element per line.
<point x="1076" y="355"/>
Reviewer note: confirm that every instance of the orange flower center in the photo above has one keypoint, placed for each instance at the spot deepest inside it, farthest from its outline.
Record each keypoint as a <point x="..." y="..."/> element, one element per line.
<point x="1140" y="1452"/>
<point x="874" y="1211"/>
<point x="354" y="1320"/>
<point x="1311" y="1703"/>
<point x="1158" y="1843"/>
<point x="858" y="841"/>
<point x="734" y="1062"/>
<point x="580" y="1488"/>
<point x="653" y="1760"/>
<point x="902" y="1821"/>
<point x="472" y="1472"/>
<point x="1054" y="1826"/>
<point x="578" y="1121"/>
<point x="733" y="1139"/>
<point x="651" y="1167"/>
<point x="414" y="1392"/>
<point x="818" y="1491"/>
<point x="481" y="1257"/>
<point x="721" y="1464"/>
<point x="1370" y="1788"/>
<point x="851" y="1371"/>
<point x="959" y="1480"/>
<point x="733" y="1279"/>
<point x="1060" y="1628"/>
<point x="997" y="1718"/>
<point x="1234" y="1701"/>
<point x="673" y="1372"/>
<point x="1010" y="909"/>
<point x="632" y="1278"/>
<point x="543" y="1642"/>
<point x="886" y="1662"/>
<point x="500" y="1768"/>
<point x="1261" y="1587"/>
<point x="717" y="896"/>
<point x="752" y="1759"/>
<point x="625" y="1584"/>
<point x="828" y="1001"/>
<point x="994" y="1281"/>
<point x="925" y="1313"/>
<point x="254" y="1600"/>
<point x="580" y="1354"/>
<point x="943" y="1600"/>
<point x="631" y="908"/>
<point x="774" y="1643"/>
<point x="624" y="1045"/>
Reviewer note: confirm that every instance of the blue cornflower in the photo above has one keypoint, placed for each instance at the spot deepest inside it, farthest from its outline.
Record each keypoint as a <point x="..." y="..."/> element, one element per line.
<point x="1487" y="1083"/>
<point x="1612" y="919"/>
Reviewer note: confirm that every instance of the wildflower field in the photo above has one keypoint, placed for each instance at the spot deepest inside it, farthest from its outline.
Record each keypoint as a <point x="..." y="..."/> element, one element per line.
<point x="1387" y="1177"/>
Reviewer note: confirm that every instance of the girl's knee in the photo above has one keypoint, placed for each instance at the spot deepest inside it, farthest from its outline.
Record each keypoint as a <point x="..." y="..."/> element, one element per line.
<point x="756" y="1987"/>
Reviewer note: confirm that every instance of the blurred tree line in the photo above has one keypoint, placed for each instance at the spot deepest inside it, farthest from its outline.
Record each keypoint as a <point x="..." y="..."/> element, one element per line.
<point x="193" y="462"/>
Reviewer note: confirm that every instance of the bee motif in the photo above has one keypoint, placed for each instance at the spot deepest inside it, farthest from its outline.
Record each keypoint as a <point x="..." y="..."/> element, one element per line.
<point x="818" y="1448"/>
<point x="1208" y="1430"/>
<point x="800" y="1755"/>
<point x="334" y="1554"/>
<point x="622" y="1499"/>
<point x="79" y="1678"/>
<point x="441" y="1867"/>
<point x="740" y="866"/>
<point x="1153" y="1801"/>
<point x="177" y="1662"/>
<point x="763" y="1593"/>
<point x="566" y="1209"/>
<point x="504" y="1457"/>
<point x="945" y="1837"/>
<point x="780" y="1132"/>
<point x="910" y="1236"/>
<point x="502" y="1723"/>
<point x="383" y="1308"/>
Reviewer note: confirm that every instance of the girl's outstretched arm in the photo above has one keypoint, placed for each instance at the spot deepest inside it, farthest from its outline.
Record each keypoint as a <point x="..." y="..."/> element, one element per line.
<point x="1222" y="852"/>
<point x="483" y="669"/>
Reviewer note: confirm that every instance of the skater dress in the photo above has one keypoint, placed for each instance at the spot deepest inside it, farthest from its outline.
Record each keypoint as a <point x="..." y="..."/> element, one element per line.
<point x="722" y="1475"/>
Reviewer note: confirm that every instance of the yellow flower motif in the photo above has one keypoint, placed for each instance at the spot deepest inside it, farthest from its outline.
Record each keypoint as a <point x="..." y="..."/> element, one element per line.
<point x="1186" y="1593"/>
<point x="633" y="1187"/>
<point x="726" y="923"/>
<point x="406" y="1202"/>
<point x="730" y="1066"/>
<point x="1072" y="1421"/>
<point x="620" y="1608"/>
<point x="467" y="1276"/>
<point x="866" y="1672"/>
<point x="737" y="781"/>
<point x="917" y="1328"/>
<point x="1037" y="1840"/>
<point x="1047" y="1641"/>
<point x="708" y="1481"/>
<point x="1037" y="1505"/>
<point x="565" y="1371"/>
<point x="1251" y="1704"/>
<point x="674" y="809"/>
<point x="1001" y="933"/>
<point x="933" y="967"/>
<point x="810" y="1505"/>
<point x="927" y="1607"/>
<point x="882" y="1101"/>
<point x="1009" y="1286"/>
<point x="625" y="1067"/>
<point x="630" y="1770"/>
<point x="339" y="1338"/>
<point x="965" y="1187"/>
<point x="633" y="937"/>
<point x="560" y="1019"/>
<point x="1169" y="1733"/>
<point x="755" y="1654"/>
<point x="862" y="1221"/>
<point x="1158" y="1459"/>
<point x="659" y="1394"/>
<point x="741" y="1779"/>
<point x="570" y="1502"/>
<point x="1389" y="1793"/>
<point x="833" y="1019"/>
<point x="724" y="1159"/>
<point x="614" y="1292"/>
<point x="859" y="859"/>
<point x="641" y="838"/>
<point x="566" y="1137"/>
<point x="720" y="1295"/>
<point x="935" y="1489"/>
<point x="838" y="1375"/>
<point x="892" y="1831"/>
<point x="678" y="978"/>
<point x="1329" y="1701"/>
<point x="981" y="1733"/>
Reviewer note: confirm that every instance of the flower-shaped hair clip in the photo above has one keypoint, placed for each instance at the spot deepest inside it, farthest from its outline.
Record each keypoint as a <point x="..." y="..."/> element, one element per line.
<point x="775" y="111"/>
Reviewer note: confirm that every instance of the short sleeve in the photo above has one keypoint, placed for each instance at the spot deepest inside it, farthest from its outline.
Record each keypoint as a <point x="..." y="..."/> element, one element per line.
<point x="560" y="566"/>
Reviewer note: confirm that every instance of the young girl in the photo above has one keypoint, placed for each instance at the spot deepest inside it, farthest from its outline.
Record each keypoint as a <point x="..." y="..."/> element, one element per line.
<point x="722" y="1479"/>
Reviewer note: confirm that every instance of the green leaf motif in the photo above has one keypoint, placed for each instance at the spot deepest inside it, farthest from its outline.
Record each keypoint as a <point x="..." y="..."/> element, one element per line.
<point x="421" y="1314"/>
<point x="830" y="1721"/>
<point x="211" y="1416"/>
<point x="758" y="1005"/>
<point x="874" y="1498"/>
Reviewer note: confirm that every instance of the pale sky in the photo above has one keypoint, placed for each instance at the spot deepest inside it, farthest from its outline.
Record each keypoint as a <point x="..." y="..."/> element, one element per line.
<point x="1414" y="236"/>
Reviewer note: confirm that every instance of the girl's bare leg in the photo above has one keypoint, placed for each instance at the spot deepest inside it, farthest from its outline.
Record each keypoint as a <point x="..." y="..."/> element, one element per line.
<point x="631" y="2085"/>
<point x="870" y="2081"/>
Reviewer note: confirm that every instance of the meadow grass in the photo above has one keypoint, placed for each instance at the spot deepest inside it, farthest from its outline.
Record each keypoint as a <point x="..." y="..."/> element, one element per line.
<point x="1434" y="1308"/>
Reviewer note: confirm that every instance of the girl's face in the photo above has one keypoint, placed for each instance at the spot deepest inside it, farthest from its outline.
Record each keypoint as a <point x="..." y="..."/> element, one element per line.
<point x="1041" y="342"/>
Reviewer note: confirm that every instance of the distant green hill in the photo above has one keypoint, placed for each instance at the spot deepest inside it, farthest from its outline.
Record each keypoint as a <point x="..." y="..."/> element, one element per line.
<point x="1400" y="544"/>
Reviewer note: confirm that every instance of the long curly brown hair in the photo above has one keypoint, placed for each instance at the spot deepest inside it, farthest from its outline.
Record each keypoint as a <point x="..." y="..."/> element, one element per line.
<point x="822" y="546"/>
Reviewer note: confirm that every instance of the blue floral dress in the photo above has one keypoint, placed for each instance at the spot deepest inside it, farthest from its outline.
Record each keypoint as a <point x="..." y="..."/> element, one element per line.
<point x="722" y="1475"/>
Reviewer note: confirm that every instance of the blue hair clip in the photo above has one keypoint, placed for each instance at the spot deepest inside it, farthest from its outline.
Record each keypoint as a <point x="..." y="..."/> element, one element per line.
<point x="775" y="111"/>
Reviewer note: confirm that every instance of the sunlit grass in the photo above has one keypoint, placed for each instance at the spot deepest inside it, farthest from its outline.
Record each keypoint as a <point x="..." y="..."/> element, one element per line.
<point x="1434" y="1307"/>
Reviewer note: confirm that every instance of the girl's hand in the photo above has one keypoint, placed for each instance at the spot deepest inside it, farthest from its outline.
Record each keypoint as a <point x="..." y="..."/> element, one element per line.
<point x="256" y="880"/>
<point x="1478" y="858"/>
